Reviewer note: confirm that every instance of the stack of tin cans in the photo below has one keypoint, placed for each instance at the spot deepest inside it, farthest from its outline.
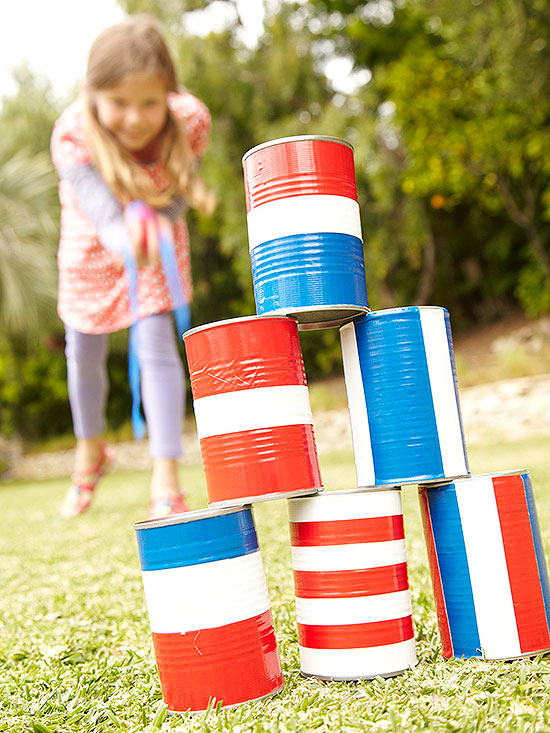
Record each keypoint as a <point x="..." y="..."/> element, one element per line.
<point x="202" y="571"/>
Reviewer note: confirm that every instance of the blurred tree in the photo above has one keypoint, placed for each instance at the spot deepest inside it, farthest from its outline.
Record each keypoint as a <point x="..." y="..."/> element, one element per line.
<point x="29" y="211"/>
<point x="461" y="89"/>
<point x="28" y="231"/>
<point x="27" y="116"/>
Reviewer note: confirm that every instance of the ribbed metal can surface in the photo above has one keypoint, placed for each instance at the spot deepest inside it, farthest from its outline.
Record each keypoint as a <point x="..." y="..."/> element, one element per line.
<point x="208" y="609"/>
<point x="252" y="409"/>
<point x="403" y="397"/>
<point x="304" y="230"/>
<point x="488" y="568"/>
<point x="353" y="604"/>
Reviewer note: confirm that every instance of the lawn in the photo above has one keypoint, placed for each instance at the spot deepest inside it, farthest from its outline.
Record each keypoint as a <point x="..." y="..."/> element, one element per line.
<point x="75" y="647"/>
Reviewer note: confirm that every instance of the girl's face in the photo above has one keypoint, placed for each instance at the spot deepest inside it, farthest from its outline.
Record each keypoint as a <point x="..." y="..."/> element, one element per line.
<point x="134" y="110"/>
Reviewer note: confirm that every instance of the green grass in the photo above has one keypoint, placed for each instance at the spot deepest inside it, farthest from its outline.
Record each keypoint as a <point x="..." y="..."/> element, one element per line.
<point x="75" y="648"/>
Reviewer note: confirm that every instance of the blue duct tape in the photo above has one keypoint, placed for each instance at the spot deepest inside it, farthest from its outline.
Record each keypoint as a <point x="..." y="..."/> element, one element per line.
<point x="454" y="570"/>
<point x="203" y="540"/>
<point x="309" y="270"/>
<point x="537" y="540"/>
<point x="398" y="395"/>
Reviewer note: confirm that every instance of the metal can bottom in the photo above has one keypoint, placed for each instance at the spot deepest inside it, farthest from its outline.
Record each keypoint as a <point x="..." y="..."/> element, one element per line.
<point x="245" y="500"/>
<point x="525" y="655"/>
<point x="357" y="678"/>
<point x="229" y="707"/>
<point x="416" y="481"/>
<point x="317" y="317"/>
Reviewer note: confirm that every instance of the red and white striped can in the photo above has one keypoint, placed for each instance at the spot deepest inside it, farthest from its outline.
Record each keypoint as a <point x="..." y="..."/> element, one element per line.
<point x="252" y="410"/>
<point x="353" y="604"/>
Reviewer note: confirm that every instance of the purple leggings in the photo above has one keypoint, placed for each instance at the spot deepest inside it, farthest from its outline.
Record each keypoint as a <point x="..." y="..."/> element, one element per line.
<point x="162" y="383"/>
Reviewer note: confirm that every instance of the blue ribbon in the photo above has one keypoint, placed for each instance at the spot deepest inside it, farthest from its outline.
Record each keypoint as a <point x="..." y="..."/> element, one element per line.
<point x="182" y="314"/>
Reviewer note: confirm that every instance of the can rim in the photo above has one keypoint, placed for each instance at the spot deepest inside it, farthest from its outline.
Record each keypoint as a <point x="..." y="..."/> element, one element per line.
<point x="466" y="479"/>
<point x="342" y="492"/>
<point x="296" y="312"/>
<point x="407" y="308"/>
<point x="225" y="321"/>
<point x="189" y="516"/>
<point x="296" y="138"/>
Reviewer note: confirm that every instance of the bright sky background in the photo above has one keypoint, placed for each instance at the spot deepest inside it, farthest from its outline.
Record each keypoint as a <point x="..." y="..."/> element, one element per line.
<point x="53" y="37"/>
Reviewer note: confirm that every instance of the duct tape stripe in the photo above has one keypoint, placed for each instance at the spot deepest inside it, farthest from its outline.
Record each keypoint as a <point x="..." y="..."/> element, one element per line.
<point x="358" y="610"/>
<point x="455" y="573"/>
<point x="336" y="506"/>
<point x="444" y="395"/>
<point x="521" y="561"/>
<point x="359" y="416"/>
<point x="440" y="607"/>
<point x="350" y="583"/>
<point x="537" y="539"/>
<point x="205" y="596"/>
<point x="487" y="568"/>
<point x="232" y="664"/>
<point x="347" y="531"/>
<point x="353" y="636"/>
<point x="361" y="662"/>
<point x="303" y="215"/>
<point x="251" y="409"/>
<point x="349" y="557"/>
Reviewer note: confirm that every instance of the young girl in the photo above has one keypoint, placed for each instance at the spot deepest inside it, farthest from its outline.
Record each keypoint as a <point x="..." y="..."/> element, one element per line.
<point x="130" y="137"/>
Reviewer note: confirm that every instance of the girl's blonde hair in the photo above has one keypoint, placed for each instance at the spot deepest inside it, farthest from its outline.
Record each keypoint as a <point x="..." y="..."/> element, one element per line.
<point x="136" y="46"/>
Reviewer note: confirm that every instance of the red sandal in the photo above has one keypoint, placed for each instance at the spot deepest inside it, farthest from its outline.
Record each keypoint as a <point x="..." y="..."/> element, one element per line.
<point x="165" y="506"/>
<point x="79" y="496"/>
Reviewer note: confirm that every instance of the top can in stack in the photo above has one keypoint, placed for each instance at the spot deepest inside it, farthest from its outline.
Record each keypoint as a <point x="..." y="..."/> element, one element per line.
<point x="304" y="230"/>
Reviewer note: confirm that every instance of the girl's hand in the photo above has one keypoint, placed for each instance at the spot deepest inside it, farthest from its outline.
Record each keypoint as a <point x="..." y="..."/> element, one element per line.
<point x="144" y="225"/>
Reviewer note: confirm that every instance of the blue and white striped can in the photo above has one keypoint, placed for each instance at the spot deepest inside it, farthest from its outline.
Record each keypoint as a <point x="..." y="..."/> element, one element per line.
<point x="208" y="608"/>
<point x="304" y="230"/>
<point x="403" y="397"/>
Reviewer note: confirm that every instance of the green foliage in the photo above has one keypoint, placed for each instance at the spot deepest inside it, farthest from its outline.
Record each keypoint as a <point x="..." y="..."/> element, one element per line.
<point x="33" y="391"/>
<point x="27" y="117"/>
<point x="28" y="229"/>
<point x="451" y="135"/>
<point x="464" y="140"/>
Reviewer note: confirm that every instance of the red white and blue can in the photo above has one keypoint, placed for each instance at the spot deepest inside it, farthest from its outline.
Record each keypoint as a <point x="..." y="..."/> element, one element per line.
<point x="403" y="397"/>
<point x="353" y="604"/>
<point x="304" y="230"/>
<point x="208" y="609"/>
<point x="488" y="568"/>
<point x="252" y="409"/>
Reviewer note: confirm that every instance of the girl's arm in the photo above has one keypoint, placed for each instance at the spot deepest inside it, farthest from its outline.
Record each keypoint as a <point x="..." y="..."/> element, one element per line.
<point x="103" y="209"/>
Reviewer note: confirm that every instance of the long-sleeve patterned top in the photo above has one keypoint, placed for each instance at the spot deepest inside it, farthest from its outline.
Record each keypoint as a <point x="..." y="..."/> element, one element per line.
<point x="93" y="288"/>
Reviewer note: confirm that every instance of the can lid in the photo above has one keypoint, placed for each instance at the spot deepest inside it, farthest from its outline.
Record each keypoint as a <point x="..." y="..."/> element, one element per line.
<point x="184" y="517"/>
<point x="296" y="138"/>
<point x="227" y="321"/>
<point x="469" y="479"/>
<point x="348" y="492"/>
<point x="403" y="309"/>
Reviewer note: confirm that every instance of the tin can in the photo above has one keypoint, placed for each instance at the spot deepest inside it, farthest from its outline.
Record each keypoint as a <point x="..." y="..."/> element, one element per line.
<point x="403" y="397"/>
<point x="208" y="608"/>
<point x="353" y="604"/>
<point x="304" y="230"/>
<point x="488" y="568"/>
<point x="252" y="409"/>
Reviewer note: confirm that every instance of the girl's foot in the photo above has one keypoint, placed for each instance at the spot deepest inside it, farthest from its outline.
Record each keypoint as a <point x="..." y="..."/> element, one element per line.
<point x="165" y="506"/>
<point x="166" y="496"/>
<point x="79" y="496"/>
